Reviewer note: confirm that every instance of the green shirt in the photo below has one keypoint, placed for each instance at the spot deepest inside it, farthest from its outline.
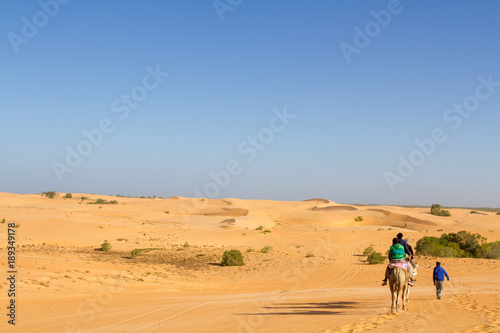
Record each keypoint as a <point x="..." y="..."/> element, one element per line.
<point x="397" y="251"/>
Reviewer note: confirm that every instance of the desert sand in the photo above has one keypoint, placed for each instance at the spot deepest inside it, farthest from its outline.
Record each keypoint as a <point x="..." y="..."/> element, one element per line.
<point x="314" y="279"/>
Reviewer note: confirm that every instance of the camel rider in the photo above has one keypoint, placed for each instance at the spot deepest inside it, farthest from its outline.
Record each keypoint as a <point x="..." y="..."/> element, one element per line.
<point x="397" y="255"/>
<point x="408" y="249"/>
<point x="407" y="241"/>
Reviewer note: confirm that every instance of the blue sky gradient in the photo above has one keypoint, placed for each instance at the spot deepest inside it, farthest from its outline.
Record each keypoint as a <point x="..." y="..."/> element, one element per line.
<point x="226" y="81"/>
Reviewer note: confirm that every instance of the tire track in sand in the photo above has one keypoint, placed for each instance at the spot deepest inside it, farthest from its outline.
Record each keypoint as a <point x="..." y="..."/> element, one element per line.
<point x="352" y="268"/>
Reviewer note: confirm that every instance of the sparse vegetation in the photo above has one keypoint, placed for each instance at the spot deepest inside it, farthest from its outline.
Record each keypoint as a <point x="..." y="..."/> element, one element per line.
<point x="68" y="196"/>
<point x="105" y="246"/>
<point x="260" y="227"/>
<point x="473" y="212"/>
<point x="498" y="213"/>
<point x="186" y="244"/>
<point x="100" y="201"/>
<point x="358" y="219"/>
<point x="438" y="211"/>
<point x="266" y="249"/>
<point x="137" y="252"/>
<point x="49" y="194"/>
<point x="369" y="250"/>
<point x="375" y="258"/>
<point x="309" y="255"/>
<point x="232" y="258"/>
<point x="122" y="240"/>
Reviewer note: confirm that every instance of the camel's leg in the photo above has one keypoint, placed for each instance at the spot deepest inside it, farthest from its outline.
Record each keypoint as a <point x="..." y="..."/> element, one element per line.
<point x="394" y="306"/>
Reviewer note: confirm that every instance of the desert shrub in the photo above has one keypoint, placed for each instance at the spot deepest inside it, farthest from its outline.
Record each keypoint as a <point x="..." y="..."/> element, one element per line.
<point x="309" y="255"/>
<point x="135" y="253"/>
<point x="232" y="258"/>
<point x="100" y="201"/>
<point x="266" y="249"/>
<point x="68" y="196"/>
<point x="498" y="213"/>
<point x="375" y="258"/>
<point x="473" y="212"/>
<point x="105" y="246"/>
<point x="465" y="240"/>
<point x="489" y="251"/>
<point x="369" y="250"/>
<point x="436" y="210"/>
<point x="49" y="194"/>
<point x="84" y="198"/>
<point x="358" y="219"/>
<point x="438" y="247"/>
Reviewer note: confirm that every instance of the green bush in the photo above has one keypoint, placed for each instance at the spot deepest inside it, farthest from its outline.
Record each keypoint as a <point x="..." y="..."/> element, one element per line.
<point x="100" y="201"/>
<point x="135" y="253"/>
<point x="437" y="247"/>
<point x="358" y="219"/>
<point x="49" y="194"/>
<point x="369" y="250"/>
<point x="436" y="210"/>
<point x="266" y="249"/>
<point x="375" y="258"/>
<point x="68" y="196"/>
<point x="473" y="212"/>
<point x="489" y="251"/>
<point x="105" y="246"/>
<point x="232" y="258"/>
<point x="466" y="241"/>
<point x="498" y="213"/>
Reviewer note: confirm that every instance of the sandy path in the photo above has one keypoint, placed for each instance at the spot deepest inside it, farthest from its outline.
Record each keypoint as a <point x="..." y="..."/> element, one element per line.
<point x="313" y="280"/>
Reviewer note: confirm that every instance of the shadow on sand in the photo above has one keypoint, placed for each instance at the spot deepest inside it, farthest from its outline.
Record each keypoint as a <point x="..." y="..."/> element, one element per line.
<point x="312" y="309"/>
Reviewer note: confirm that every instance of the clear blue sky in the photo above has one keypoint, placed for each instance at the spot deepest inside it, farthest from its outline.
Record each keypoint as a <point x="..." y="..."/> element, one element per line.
<point x="69" y="67"/>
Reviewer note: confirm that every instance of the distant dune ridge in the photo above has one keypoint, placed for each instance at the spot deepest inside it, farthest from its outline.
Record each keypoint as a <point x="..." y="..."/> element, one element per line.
<point x="304" y="270"/>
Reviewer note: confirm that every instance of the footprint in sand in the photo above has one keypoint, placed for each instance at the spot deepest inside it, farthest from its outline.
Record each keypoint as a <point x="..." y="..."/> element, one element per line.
<point x="365" y="324"/>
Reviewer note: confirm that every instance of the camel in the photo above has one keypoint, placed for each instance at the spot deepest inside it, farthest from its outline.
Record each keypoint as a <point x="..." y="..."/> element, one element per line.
<point x="407" y="295"/>
<point x="398" y="283"/>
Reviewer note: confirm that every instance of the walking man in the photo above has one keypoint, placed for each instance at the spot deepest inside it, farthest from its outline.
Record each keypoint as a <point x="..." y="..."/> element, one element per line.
<point x="438" y="279"/>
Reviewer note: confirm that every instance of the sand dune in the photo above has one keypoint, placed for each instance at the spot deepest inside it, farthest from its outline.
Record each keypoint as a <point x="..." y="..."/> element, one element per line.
<point x="313" y="280"/>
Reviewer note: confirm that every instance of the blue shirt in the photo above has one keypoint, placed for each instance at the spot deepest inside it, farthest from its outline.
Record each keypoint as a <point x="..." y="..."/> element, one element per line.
<point x="439" y="274"/>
